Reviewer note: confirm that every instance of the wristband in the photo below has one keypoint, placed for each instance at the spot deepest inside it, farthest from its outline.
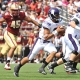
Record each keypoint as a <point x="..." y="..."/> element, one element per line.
<point x="40" y="25"/>
<point x="77" y="27"/>
<point x="55" y="33"/>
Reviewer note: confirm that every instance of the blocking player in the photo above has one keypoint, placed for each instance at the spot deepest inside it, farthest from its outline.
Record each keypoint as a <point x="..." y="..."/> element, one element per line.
<point x="73" y="46"/>
<point x="14" y="18"/>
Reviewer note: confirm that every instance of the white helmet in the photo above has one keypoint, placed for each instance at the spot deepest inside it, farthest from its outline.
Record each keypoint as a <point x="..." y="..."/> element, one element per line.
<point x="15" y="6"/>
<point x="15" y="9"/>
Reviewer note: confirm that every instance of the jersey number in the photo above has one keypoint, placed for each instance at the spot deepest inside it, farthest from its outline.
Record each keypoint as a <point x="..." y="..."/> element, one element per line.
<point x="15" y="24"/>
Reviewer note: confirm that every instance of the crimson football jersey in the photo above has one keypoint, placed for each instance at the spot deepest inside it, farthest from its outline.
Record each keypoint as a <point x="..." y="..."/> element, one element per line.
<point x="14" y="23"/>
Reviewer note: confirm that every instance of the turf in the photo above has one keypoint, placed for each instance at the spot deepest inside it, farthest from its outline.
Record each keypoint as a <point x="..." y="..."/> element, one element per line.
<point x="30" y="72"/>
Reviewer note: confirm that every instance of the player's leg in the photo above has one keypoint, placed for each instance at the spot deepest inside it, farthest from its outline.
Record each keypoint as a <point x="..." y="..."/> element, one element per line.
<point x="63" y="59"/>
<point x="10" y="40"/>
<point x="19" y="53"/>
<point x="17" y="68"/>
<point x="34" y="51"/>
<point x="74" y="45"/>
<point x="23" y="62"/>
<point x="55" y="64"/>
<point x="4" y="53"/>
<point x="50" y="48"/>
<point x="76" y="62"/>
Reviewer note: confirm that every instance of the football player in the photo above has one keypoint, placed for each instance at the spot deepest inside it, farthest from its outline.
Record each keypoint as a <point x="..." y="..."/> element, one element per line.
<point x="44" y="41"/>
<point x="71" y="41"/>
<point x="14" y="18"/>
<point x="71" y="38"/>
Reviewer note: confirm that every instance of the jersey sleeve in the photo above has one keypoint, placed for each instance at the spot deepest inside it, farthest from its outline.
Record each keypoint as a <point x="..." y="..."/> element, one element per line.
<point x="46" y="24"/>
<point x="6" y="15"/>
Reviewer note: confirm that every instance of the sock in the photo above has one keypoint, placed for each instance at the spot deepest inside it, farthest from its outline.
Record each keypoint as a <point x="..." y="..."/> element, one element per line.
<point x="8" y="60"/>
<point x="71" y="62"/>
<point x="19" y="66"/>
<point x="54" y="65"/>
<point x="44" y="64"/>
<point x="74" y="64"/>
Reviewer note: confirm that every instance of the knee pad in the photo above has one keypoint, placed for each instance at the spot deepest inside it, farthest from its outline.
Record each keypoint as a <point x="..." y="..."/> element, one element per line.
<point x="75" y="52"/>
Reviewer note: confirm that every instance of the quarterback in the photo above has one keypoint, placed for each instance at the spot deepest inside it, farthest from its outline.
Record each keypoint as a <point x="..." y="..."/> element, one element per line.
<point x="14" y="18"/>
<point x="44" y="41"/>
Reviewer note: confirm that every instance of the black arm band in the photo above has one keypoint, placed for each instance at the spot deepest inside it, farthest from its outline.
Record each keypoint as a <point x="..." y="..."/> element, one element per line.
<point x="40" y="25"/>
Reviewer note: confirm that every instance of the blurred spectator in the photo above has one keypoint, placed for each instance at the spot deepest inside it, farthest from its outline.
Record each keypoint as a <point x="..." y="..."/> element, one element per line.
<point x="3" y="5"/>
<point x="10" y="3"/>
<point x="52" y="3"/>
<point x="71" y="8"/>
<point x="23" y="5"/>
<point x="28" y="2"/>
<point x="39" y="7"/>
<point x="1" y="41"/>
<point x="46" y="8"/>
<point x="65" y="3"/>
<point x="33" y="6"/>
<point x="42" y="17"/>
<point x="31" y="39"/>
<point x="0" y="4"/>
<point x="0" y="14"/>
<point x="77" y="3"/>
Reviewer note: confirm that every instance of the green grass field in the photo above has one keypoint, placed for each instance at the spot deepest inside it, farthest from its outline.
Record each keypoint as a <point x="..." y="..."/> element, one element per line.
<point x="30" y="72"/>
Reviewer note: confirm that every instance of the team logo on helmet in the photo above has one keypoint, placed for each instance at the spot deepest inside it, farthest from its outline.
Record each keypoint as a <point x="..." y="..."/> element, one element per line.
<point x="53" y="13"/>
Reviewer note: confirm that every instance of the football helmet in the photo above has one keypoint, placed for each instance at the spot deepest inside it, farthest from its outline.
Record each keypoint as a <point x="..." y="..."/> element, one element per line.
<point x="54" y="14"/>
<point x="15" y="6"/>
<point x="15" y="9"/>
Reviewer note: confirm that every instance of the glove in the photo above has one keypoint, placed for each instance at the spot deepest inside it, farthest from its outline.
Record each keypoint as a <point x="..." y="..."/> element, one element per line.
<point x="40" y="25"/>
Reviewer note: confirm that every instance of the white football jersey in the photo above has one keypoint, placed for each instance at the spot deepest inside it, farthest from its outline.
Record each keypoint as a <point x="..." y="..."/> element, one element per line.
<point x="49" y="24"/>
<point x="73" y="31"/>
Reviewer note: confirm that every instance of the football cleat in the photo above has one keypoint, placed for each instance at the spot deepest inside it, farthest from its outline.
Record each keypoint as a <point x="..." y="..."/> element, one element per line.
<point x="7" y="67"/>
<point x="16" y="71"/>
<point x="51" y="70"/>
<point x="77" y="70"/>
<point x="70" y="69"/>
<point x="41" y="70"/>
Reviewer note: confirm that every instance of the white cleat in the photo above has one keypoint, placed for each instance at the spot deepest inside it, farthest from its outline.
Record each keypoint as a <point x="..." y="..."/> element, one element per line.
<point x="7" y="67"/>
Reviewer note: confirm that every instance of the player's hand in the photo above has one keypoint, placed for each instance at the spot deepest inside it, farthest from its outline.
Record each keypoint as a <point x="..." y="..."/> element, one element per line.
<point x="60" y="29"/>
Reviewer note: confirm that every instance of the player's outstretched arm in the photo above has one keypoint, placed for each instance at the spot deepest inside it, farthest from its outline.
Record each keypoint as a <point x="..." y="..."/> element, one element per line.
<point x="33" y="21"/>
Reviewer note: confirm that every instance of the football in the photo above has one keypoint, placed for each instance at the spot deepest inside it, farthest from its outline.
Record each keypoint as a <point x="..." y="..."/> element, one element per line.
<point x="62" y="32"/>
